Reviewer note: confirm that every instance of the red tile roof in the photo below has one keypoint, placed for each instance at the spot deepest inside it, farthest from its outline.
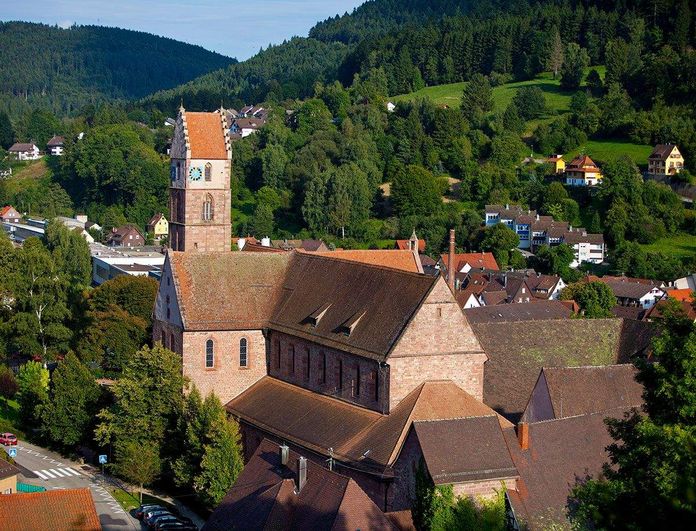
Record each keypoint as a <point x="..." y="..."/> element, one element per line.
<point x="404" y="245"/>
<point x="57" y="510"/>
<point x="582" y="163"/>
<point x="475" y="261"/>
<point x="206" y="135"/>
<point x="681" y="295"/>
<point x="392" y="258"/>
<point x="9" y="209"/>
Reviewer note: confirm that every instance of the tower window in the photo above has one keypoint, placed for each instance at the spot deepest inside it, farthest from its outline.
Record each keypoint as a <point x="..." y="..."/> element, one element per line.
<point x="243" y="361"/>
<point x="208" y="208"/>
<point x="291" y="348"/>
<point x="209" y="354"/>
<point x="208" y="172"/>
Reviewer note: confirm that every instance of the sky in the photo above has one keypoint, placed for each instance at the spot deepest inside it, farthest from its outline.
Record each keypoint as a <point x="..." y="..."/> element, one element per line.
<point x="236" y="28"/>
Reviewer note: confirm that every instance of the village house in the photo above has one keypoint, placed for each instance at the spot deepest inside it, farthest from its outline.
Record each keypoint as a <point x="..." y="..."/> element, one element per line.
<point x="55" y="146"/>
<point x="126" y="236"/>
<point x="535" y="230"/>
<point x="582" y="171"/>
<point x="158" y="226"/>
<point x="665" y="160"/>
<point x="557" y="163"/>
<point x="633" y="292"/>
<point x="8" y="477"/>
<point x="24" y="151"/>
<point x="10" y="215"/>
<point x="57" y="510"/>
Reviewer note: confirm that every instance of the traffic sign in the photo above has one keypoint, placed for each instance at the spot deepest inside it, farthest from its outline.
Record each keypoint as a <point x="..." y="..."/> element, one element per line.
<point x="102" y="459"/>
<point x="12" y="452"/>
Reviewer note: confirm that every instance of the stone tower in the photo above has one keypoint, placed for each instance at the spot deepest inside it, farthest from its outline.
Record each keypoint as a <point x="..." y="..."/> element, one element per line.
<point x="199" y="193"/>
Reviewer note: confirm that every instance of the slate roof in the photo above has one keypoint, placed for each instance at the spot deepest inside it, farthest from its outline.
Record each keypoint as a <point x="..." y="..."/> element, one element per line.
<point x="464" y="449"/>
<point x="56" y="141"/>
<point x="518" y="350"/>
<point x="243" y="288"/>
<point x="392" y="258"/>
<point x="318" y="422"/>
<point x="561" y="453"/>
<point x="57" y="510"/>
<point x="18" y="147"/>
<point x="206" y="135"/>
<point x="533" y="311"/>
<point x="662" y="151"/>
<point x="7" y="469"/>
<point x="627" y="289"/>
<point x="264" y="497"/>
<point x="578" y="236"/>
<point x="507" y="211"/>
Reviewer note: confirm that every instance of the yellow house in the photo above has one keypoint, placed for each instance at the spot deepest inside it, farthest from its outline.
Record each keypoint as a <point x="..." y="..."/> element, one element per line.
<point x="158" y="226"/>
<point x="582" y="171"/>
<point x="557" y="163"/>
<point x="665" y="160"/>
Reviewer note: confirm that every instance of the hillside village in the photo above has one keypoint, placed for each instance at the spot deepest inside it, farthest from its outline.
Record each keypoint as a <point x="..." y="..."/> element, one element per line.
<point x="431" y="267"/>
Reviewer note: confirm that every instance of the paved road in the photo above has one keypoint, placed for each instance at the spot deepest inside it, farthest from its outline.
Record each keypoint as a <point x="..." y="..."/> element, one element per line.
<point x="46" y="469"/>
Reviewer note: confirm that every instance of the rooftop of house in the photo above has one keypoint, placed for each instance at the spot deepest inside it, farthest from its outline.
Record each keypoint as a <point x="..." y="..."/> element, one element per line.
<point x="57" y="510"/>
<point x="155" y="219"/>
<point x="541" y="310"/>
<point x="591" y="389"/>
<point x="206" y="135"/>
<point x="7" y="469"/>
<point x="118" y="233"/>
<point x="403" y="260"/>
<point x="364" y="437"/>
<point x="265" y="496"/>
<point x="8" y="210"/>
<point x="483" y="260"/>
<point x="517" y="350"/>
<point x="18" y="147"/>
<point x="405" y="245"/>
<point x="56" y="141"/>
<point x="625" y="288"/>
<point x="662" y="151"/>
<point x="582" y="162"/>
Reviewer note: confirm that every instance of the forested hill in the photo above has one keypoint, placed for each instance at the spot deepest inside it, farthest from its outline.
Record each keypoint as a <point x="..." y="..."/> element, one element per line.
<point x="68" y="68"/>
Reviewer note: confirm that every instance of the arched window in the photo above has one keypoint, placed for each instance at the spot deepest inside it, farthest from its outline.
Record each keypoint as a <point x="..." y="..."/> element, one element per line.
<point x="209" y="354"/>
<point x="208" y="208"/>
<point x="208" y="172"/>
<point x="243" y="361"/>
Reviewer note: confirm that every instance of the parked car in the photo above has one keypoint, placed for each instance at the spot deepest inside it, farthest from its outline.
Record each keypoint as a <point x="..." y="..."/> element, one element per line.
<point x="177" y="526"/>
<point x="150" y="514"/>
<point x="8" y="439"/>
<point x="180" y="522"/>
<point x="169" y="517"/>
<point x="140" y="511"/>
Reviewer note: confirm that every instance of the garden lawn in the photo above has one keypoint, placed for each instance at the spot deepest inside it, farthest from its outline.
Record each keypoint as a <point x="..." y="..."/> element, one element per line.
<point x="607" y="150"/>
<point x="26" y="174"/>
<point x="679" y="246"/>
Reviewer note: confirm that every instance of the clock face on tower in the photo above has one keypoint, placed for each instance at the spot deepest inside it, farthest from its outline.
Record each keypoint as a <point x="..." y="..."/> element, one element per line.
<point x="195" y="174"/>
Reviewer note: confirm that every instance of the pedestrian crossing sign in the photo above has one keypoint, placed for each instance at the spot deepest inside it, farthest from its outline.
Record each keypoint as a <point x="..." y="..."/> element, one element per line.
<point x="102" y="459"/>
<point x="12" y="452"/>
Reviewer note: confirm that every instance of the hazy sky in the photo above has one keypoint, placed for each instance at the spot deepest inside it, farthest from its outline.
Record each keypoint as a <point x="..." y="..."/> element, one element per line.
<point x="237" y="28"/>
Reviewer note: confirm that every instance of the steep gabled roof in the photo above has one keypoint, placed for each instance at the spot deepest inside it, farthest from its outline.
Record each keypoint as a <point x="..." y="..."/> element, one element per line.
<point x="387" y="297"/>
<point x="18" y="147"/>
<point x="662" y="151"/>
<point x="57" y="510"/>
<point x="403" y="260"/>
<point x="9" y="209"/>
<point x="56" y="141"/>
<point x="206" y="135"/>
<point x="475" y="261"/>
<point x="265" y="497"/>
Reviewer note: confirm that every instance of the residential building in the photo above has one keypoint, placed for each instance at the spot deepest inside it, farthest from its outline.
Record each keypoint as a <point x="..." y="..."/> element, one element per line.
<point x="126" y="236"/>
<point x="8" y="477"/>
<point x="665" y="160"/>
<point x="10" y="215"/>
<point x="582" y="171"/>
<point x="158" y="226"/>
<point x="18" y="232"/>
<point x="557" y="163"/>
<point x="24" y="151"/>
<point x="57" y="510"/>
<point x="109" y="262"/>
<point x="279" y="488"/>
<point x="535" y="230"/>
<point x="634" y="292"/>
<point x="243" y="127"/>
<point x="56" y="146"/>
<point x="199" y="193"/>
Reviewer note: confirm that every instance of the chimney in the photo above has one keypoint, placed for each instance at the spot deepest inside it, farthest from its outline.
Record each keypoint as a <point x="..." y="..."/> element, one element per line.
<point x="523" y="435"/>
<point x="301" y="478"/>
<point x="450" y="261"/>
<point x="284" y="454"/>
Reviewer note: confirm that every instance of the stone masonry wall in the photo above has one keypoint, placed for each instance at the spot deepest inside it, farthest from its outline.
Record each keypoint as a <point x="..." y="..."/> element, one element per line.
<point x="226" y="378"/>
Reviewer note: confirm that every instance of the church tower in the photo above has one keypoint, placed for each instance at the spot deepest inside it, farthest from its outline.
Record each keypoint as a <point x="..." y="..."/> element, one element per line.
<point x="199" y="192"/>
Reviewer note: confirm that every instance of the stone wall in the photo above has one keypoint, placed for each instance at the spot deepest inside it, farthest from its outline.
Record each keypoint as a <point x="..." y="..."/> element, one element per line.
<point x="226" y="378"/>
<point x="330" y="372"/>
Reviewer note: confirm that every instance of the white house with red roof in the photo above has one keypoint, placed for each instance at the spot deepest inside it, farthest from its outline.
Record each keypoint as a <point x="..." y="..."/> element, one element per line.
<point x="10" y="215"/>
<point x="582" y="171"/>
<point x="24" y="151"/>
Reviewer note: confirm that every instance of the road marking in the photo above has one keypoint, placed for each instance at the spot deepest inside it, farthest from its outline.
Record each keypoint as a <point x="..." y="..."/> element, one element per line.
<point x="48" y="474"/>
<point x="70" y="471"/>
<point x="59" y="473"/>
<point x="40" y="475"/>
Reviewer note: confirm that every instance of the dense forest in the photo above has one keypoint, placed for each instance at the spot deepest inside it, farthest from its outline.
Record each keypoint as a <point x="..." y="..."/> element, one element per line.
<point x="65" y="69"/>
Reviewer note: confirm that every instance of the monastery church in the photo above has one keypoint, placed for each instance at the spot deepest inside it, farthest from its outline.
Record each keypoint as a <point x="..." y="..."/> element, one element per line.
<point x="371" y="369"/>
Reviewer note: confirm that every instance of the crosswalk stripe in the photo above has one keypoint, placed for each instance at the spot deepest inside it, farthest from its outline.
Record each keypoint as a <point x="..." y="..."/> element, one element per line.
<point x="59" y="473"/>
<point x="71" y="471"/>
<point x="48" y="474"/>
<point x="40" y="474"/>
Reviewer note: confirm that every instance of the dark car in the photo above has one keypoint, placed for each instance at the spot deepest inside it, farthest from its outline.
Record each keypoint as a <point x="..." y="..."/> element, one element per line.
<point x="152" y="522"/>
<point x="150" y="515"/>
<point x="140" y="511"/>
<point x="177" y="526"/>
<point x="8" y="439"/>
